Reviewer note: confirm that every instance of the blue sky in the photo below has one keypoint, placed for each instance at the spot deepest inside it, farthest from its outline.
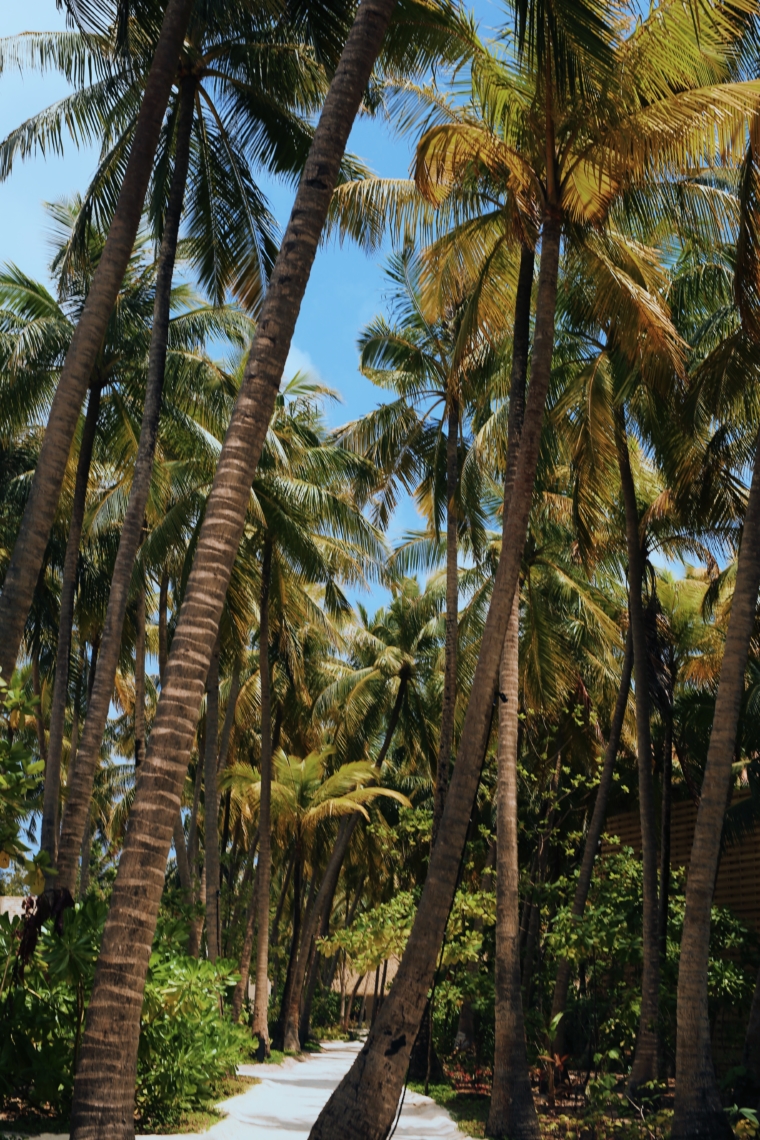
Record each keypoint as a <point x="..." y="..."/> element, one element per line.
<point x="346" y="286"/>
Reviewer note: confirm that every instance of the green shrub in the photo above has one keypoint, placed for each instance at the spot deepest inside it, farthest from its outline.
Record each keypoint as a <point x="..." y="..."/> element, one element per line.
<point x="186" y="1047"/>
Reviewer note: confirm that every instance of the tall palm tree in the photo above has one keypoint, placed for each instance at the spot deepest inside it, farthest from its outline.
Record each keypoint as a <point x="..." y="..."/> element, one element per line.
<point x="427" y="361"/>
<point x="40" y="508"/>
<point x="568" y="182"/>
<point x="95" y="1100"/>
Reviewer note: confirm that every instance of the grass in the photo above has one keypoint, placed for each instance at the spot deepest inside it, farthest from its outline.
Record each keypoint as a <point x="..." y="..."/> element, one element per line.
<point x="200" y="1120"/>
<point x="468" y="1110"/>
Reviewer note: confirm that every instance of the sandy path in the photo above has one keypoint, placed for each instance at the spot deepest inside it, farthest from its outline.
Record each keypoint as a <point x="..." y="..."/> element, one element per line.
<point x="288" y="1100"/>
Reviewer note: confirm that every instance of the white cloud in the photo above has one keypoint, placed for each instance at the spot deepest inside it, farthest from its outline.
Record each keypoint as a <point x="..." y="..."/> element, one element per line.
<point x="299" y="361"/>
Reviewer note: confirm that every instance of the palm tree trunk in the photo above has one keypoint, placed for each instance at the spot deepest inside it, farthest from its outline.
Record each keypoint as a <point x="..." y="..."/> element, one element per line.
<point x="324" y="899"/>
<point x="245" y="955"/>
<point x="178" y="834"/>
<point x="84" y="878"/>
<point x="534" y="920"/>
<point x="211" y="808"/>
<point x="279" y="1035"/>
<point x="646" y="1056"/>
<point x="698" y="1109"/>
<point x="452" y="621"/>
<point x="751" y="1051"/>
<point x="364" y="1104"/>
<point x="594" y="834"/>
<point x="512" y="1112"/>
<point x="29" y="549"/>
<point x="304" y="1025"/>
<point x="52" y="792"/>
<point x="667" y="801"/>
<point x="103" y="1104"/>
<point x="140" y="678"/>
<point x="80" y="788"/>
<point x="264" y="873"/>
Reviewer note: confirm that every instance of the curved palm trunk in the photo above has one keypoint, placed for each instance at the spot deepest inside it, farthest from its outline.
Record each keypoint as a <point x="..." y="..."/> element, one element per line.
<point x="364" y="1104"/>
<point x="452" y="621"/>
<point x="594" y="834"/>
<point x="211" y="808"/>
<point x="311" y="926"/>
<point x="178" y="833"/>
<point x="80" y="785"/>
<point x="698" y="1109"/>
<point x="52" y="792"/>
<point x="103" y="1103"/>
<point x="264" y="872"/>
<point x="646" y="1056"/>
<point x="250" y="925"/>
<point x="512" y="1112"/>
<point x="29" y="548"/>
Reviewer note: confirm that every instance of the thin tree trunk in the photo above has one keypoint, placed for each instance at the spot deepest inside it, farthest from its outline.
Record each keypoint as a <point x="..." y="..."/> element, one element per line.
<point x="452" y="621"/>
<point x="29" y="548"/>
<point x="39" y="720"/>
<point x="323" y="900"/>
<point x="196" y="926"/>
<point x="178" y="834"/>
<point x="84" y="877"/>
<point x="52" y="792"/>
<point x="281" y="901"/>
<point x="211" y="808"/>
<point x="646" y="1055"/>
<point x="80" y="789"/>
<point x="512" y="1112"/>
<point x="594" y="834"/>
<point x="534" y="924"/>
<point x="140" y="679"/>
<point x="667" y="800"/>
<point x="103" y="1104"/>
<point x="245" y="956"/>
<point x="279" y="1037"/>
<point x="304" y="1028"/>
<point x="261" y="1000"/>
<point x="364" y="1104"/>
<point x="698" y="1109"/>
<point x="163" y="626"/>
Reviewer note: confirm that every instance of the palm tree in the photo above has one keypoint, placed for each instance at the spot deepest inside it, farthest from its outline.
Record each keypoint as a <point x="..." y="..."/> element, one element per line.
<point x="568" y="183"/>
<point x="76" y="374"/>
<point x="427" y="361"/>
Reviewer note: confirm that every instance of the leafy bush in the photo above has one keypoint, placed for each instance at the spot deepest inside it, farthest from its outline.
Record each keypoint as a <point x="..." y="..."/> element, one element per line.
<point x="186" y="1047"/>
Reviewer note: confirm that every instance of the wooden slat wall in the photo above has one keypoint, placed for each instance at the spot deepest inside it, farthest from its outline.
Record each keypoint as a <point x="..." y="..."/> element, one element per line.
<point x="738" y="883"/>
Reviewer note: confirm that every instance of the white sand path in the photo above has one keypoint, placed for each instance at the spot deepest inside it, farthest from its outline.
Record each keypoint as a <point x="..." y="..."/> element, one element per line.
<point x="288" y="1100"/>
<point x="290" y="1096"/>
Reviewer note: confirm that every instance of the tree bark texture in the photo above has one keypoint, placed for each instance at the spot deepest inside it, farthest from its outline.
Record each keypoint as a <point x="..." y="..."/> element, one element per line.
<point x="104" y="1089"/>
<point x="364" y="1104"/>
<point x="311" y="926"/>
<point x="698" y="1110"/>
<point x="211" y="808"/>
<point x="264" y="873"/>
<point x="241" y="988"/>
<point x="595" y="829"/>
<point x="665" y="817"/>
<point x="80" y="786"/>
<point x="645" y="1060"/>
<point x="448" y="710"/>
<point x="29" y="549"/>
<point x="52" y="790"/>
<point x="512" y="1112"/>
